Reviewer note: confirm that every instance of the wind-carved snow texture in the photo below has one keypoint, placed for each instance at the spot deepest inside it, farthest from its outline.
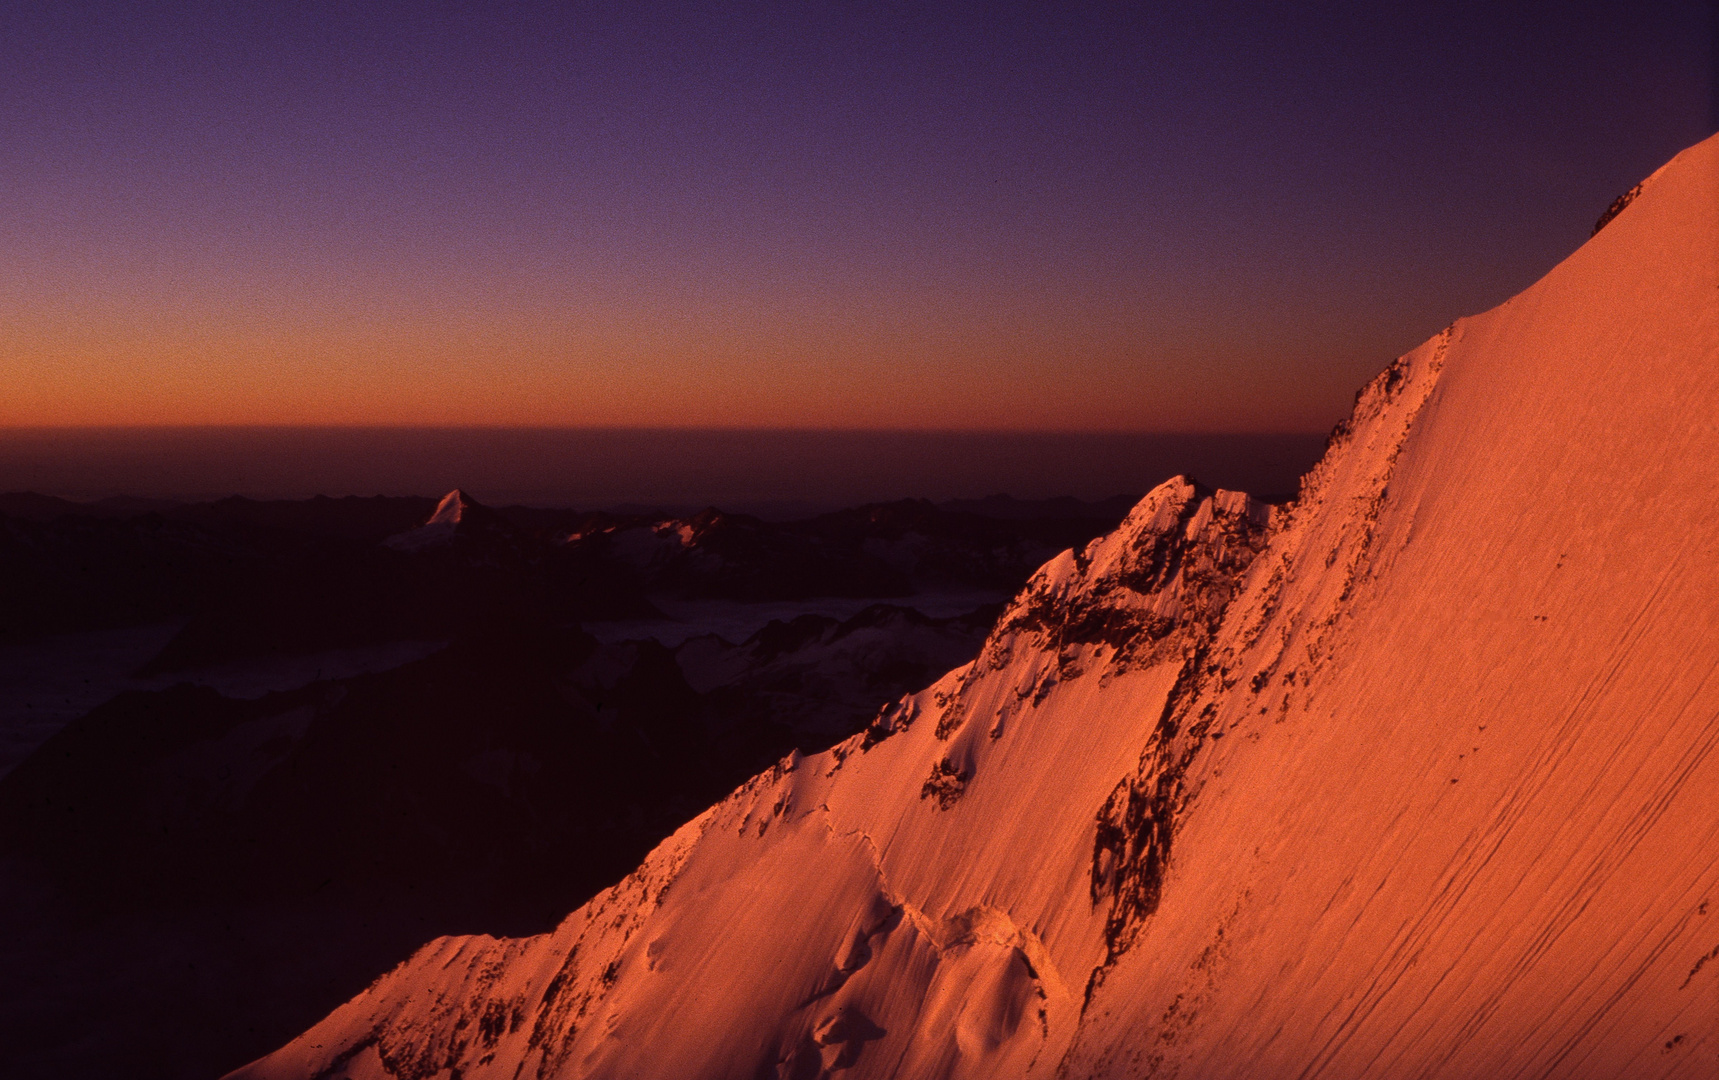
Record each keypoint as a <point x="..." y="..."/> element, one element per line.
<point x="1414" y="777"/>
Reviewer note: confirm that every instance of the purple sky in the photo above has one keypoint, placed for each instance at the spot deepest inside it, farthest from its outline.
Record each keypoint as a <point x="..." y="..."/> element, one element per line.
<point x="1042" y="217"/>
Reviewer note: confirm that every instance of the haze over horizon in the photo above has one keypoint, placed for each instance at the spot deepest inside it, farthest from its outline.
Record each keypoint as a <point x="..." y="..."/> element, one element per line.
<point x="779" y="216"/>
<point x="772" y="473"/>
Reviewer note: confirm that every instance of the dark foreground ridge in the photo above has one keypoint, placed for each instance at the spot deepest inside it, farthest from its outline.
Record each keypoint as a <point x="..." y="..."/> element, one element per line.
<point x="287" y="844"/>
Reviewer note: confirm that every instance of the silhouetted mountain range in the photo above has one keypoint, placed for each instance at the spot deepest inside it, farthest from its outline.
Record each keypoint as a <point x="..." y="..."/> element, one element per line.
<point x="320" y="830"/>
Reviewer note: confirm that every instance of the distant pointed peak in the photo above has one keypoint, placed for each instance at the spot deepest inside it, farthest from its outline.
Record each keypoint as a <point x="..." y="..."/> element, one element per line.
<point x="456" y="514"/>
<point x="453" y="508"/>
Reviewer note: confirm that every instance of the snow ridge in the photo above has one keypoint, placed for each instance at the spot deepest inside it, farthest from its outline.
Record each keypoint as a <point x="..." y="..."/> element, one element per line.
<point x="1412" y="777"/>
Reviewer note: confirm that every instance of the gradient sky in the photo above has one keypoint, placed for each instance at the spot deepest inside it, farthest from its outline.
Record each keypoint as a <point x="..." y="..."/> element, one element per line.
<point x="1046" y="217"/>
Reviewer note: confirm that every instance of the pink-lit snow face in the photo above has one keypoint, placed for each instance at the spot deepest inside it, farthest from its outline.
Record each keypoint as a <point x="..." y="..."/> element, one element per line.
<point x="1415" y="777"/>
<point x="451" y="509"/>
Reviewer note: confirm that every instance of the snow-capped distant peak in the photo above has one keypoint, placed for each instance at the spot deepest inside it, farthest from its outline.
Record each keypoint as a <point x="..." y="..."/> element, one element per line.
<point x="456" y="508"/>
<point x="452" y="509"/>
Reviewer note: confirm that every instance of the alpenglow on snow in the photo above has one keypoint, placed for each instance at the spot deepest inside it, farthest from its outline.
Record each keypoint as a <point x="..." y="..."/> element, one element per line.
<point x="1412" y="777"/>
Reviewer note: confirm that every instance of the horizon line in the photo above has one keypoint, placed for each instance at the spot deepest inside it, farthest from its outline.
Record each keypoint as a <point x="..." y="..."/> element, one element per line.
<point x="648" y="428"/>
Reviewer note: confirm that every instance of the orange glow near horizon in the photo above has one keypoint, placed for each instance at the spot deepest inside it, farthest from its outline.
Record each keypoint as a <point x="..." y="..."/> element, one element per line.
<point x="874" y="359"/>
<point x="1027" y="221"/>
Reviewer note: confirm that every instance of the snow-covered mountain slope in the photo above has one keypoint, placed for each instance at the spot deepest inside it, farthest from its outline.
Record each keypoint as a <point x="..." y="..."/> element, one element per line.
<point x="1413" y="778"/>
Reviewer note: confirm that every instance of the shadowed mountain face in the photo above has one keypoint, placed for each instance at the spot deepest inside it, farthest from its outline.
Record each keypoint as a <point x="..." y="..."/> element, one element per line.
<point x="474" y="759"/>
<point x="1415" y="776"/>
<point x="211" y="872"/>
<point x="302" y="842"/>
<point x="78" y="573"/>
